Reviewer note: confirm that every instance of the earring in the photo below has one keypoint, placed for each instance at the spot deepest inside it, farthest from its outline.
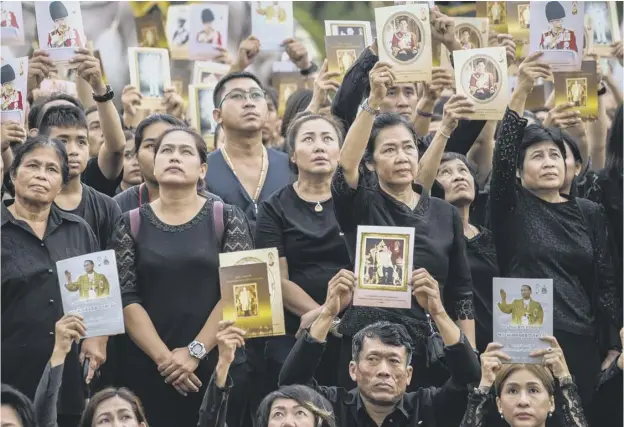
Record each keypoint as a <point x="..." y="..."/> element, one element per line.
<point x="550" y="415"/>
<point x="502" y="417"/>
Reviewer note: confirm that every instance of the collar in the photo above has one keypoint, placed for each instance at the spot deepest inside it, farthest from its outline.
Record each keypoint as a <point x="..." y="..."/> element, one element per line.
<point x="354" y="400"/>
<point x="57" y="216"/>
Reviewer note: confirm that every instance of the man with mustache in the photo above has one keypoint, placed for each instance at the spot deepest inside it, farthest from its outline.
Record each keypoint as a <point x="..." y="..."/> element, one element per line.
<point x="63" y="35"/>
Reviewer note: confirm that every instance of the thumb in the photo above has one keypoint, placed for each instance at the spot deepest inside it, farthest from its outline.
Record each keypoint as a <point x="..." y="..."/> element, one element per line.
<point x="92" y="368"/>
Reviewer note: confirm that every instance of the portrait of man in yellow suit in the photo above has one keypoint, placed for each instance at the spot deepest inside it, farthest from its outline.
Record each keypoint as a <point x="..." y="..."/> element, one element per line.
<point x="91" y="285"/>
<point x="525" y="311"/>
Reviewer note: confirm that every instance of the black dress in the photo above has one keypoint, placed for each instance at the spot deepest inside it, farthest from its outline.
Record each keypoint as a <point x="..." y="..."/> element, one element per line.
<point x="173" y="272"/>
<point x="561" y="241"/>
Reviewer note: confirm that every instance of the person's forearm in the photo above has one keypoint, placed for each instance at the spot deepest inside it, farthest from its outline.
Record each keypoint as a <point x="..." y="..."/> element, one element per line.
<point x="208" y="334"/>
<point x="355" y="145"/>
<point x="46" y="396"/>
<point x="467" y="326"/>
<point x="482" y="152"/>
<point x="422" y="123"/>
<point x="597" y="131"/>
<point x="85" y="93"/>
<point x="141" y="330"/>
<point x="110" y="158"/>
<point x="320" y="328"/>
<point x="296" y="300"/>
<point x="518" y="102"/>
<point x="430" y="162"/>
<point x="7" y="159"/>
<point x="449" y="331"/>
<point x="221" y="373"/>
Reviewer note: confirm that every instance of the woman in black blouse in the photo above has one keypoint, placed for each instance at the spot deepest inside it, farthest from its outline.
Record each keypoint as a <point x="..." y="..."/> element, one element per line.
<point x="388" y="145"/>
<point x="35" y="235"/>
<point x="299" y="221"/>
<point x="540" y="233"/>
<point x="459" y="180"/>
<point x="168" y="258"/>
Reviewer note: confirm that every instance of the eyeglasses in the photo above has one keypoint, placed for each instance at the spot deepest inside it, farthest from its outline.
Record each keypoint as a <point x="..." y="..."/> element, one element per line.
<point x="239" y="95"/>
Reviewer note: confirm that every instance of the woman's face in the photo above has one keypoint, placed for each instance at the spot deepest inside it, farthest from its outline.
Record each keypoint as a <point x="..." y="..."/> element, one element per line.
<point x="177" y="161"/>
<point x="288" y="412"/>
<point x="457" y="181"/>
<point x="115" y="412"/>
<point x="572" y="169"/>
<point x="543" y="168"/>
<point x="131" y="170"/>
<point x="524" y="400"/>
<point x="145" y="156"/>
<point x="9" y="417"/>
<point x="395" y="159"/>
<point x="317" y="148"/>
<point x="38" y="179"/>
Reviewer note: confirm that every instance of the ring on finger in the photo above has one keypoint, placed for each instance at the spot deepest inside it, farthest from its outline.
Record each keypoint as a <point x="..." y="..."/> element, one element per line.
<point x="550" y="350"/>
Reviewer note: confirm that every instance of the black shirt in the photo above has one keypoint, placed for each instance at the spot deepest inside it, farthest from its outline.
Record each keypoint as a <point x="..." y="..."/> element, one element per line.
<point x="93" y="177"/>
<point x="222" y="181"/>
<point x="439" y="247"/>
<point x="31" y="301"/>
<point x="310" y="241"/>
<point x="130" y="199"/>
<point x="99" y="211"/>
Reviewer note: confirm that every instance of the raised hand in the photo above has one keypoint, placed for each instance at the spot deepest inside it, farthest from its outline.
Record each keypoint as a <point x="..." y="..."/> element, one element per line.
<point x="229" y="338"/>
<point x="530" y="70"/>
<point x="173" y="103"/>
<point x="339" y="292"/>
<point x="441" y="78"/>
<point x="553" y="358"/>
<point x="11" y="133"/>
<point x="564" y="116"/>
<point x="618" y="51"/>
<point x="457" y="108"/>
<point x="89" y="69"/>
<point x="491" y="363"/>
<point x="69" y="329"/>
<point x="426" y="291"/>
<point x="442" y="27"/>
<point x="39" y="67"/>
<point x="503" y="294"/>
<point x="297" y="53"/>
<point x="247" y="52"/>
<point x="323" y="84"/>
<point x="380" y="78"/>
<point x="506" y="41"/>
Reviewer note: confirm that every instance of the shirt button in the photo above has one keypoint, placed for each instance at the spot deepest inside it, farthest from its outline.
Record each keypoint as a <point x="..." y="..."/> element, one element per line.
<point x="42" y="244"/>
<point x="51" y="333"/>
<point x="51" y="301"/>
<point x="50" y="271"/>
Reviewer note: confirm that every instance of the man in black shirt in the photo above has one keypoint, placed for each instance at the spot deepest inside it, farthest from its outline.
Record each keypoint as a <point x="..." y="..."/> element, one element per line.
<point x="381" y="365"/>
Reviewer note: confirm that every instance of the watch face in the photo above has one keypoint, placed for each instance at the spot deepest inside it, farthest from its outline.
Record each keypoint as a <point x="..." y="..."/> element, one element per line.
<point x="196" y="349"/>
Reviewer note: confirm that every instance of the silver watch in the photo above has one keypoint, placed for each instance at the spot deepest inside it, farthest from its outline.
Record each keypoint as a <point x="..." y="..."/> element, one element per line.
<point x="366" y="107"/>
<point x="197" y="350"/>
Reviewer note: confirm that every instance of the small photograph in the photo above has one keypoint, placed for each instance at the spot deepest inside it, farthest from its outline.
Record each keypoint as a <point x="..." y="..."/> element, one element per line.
<point x="208" y="28"/>
<point x="558" y="36"/>
<point x="481" y="78"/>
<point x="272" y="22"/>
<point x="598" y="23"/>
<point x="576" y="90"/>
<point x="286" y="90"/>
<point x="12" y="23"/>
<point x="402" y="37"/>
<point x="149" y="37"/>
<point x="150" y="29"/>
<point x="524" y="16"/>
<point x="344" y="30"/>
<point x="207" y="124"/>
<point x="151" y="74"/>
<point x="13" y="77"/>
<point x="468" y="37"/>
<point x="496" y="12"/>
<point x="178" y="33"/>
<point x="384" y="263"/>
<point x="89" y="284"/>
<point x="208" y="73"/>
<point x="208" y="34"/>
<point x="350" y="28"/>
<point x="246" y="300"/>
<point x="59" y="28"/>
<point x="524" y="311"/>
<point x="346" y="58"/>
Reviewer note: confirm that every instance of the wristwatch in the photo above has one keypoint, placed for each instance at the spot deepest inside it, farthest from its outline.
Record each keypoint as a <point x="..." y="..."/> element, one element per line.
<point x="369" y="109"/>
<point x="333" y="329"/>
<point x="106" y="97"/>
<point x="310" y="70"/>
<point x="197" y="350"/>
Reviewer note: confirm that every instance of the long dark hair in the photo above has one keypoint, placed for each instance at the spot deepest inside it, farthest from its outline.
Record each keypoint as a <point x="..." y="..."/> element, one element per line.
<point x="20" y="403"/>
<point x="296" y="104"/>
<point x="150" y="120"/>
<point x="108" y="393"/>
<point x="304" y="396"/>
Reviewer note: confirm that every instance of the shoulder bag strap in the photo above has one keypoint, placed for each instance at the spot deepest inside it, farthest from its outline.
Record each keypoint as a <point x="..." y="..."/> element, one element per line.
<point x="135" y="222"/>
<point x="219" y="224"/>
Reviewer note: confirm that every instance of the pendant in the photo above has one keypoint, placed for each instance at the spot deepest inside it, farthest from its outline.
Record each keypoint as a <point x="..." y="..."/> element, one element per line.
<point x="318" y="207"/>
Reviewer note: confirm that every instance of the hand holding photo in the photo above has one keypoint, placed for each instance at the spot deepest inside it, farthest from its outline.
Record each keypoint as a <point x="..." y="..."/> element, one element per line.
<point x="12" y="23"/>
<point x="272" y="22"/>
<point x="209" y="30"/>
<point x="59" y="28"/>
<point x="14" y="76"/>
<point x="342" y="52"/>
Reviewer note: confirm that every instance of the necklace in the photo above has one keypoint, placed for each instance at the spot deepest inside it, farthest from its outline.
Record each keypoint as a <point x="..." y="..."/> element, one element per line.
<point x="263" y="174"/>
<point x="318" y="207"/>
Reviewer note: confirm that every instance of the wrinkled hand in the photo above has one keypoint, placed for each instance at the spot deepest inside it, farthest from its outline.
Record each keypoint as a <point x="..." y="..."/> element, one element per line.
<point x="173" y="103"/>
<point x="224" y="56"/>
<point x="69" y="329"/>
<point x="39" y="67"/>
<point x="179" y="370"/>
<point x="618" y="51"/>
<point x="131" y="99"/>
<point x="426" y="291"/>
<point x="89" y="69"/>
<point x="441" y="78"/>
<point x="339" y="292"/>
<point x="491" y="363"/>
<point x="229" y="338"/>
<point x="380" y="78"/>
<point x="457" y="108"/>
<point x="11" y="133"/>
<point x="530" y="70"/>
<point x="553" y="358"/>
<point x="323" y="84"/>
<point x="506" y="41"/>
<point x="247" y="52"/>
<point x="442" y="27"/>
<point x="94" y="350"/>
<point x="297" y="53"/>
<point x="565" y="117"/>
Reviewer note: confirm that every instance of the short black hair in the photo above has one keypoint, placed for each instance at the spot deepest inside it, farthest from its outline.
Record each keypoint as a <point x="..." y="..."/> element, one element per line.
<point x="388" y="333"/>
<point x="534" y="134"/>
<point x="527" y="286"/>
<point x="20" y="403"/>
<point x="297" y="103"/>
<point x="150" y="120"/>
<point x="308" y="398"/>
<point x="39" y="105"/>
<point x="62" y="116"/>
<point x="90" y="261"/>
<point x="35" y="142"/>
<point x="383" y="121"/>
<point x="218" y="90"/>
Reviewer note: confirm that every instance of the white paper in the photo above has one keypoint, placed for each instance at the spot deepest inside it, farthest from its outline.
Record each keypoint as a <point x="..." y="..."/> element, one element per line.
<point x="14" y="92"/>
<point x="272" y="22"/>
<point x="60" y="38"/>
<point x="209" y="73"/>
<point x="206" y="37"/>
<point x="149" y="71"/>
<point x="12" y="23"/>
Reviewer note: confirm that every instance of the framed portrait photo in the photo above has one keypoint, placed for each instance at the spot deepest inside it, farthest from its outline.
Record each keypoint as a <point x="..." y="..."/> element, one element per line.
<point x="350" y="28"/>
<point x="209" y="30"/>
<point x="178" y="31"/>
<point x="209" y="73"/>
<point x="601" y="23"/>
<point x="150" y="72"/>
<point x="201" y="107"/>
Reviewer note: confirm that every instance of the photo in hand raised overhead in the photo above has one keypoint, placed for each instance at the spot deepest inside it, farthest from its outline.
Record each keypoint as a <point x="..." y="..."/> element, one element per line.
<point x="178" y="31"/>
<point x="481" y="75"/>
<point x="383" y="266"/>
<point x="149" y="73"/>
<point x="558" y="29"/>
<point x="14" y="76"/>
<point x="602" y="27"/>
<point x="350" y="28"/>
<point x="272" y="22"/>
<point x="209" y="73"/>
<point x="579" y="88"/>
<point x="90" y="287"/>
<point x="59" y="28"/>
<point x="342" y="52"/>
<point x="519" y="24"/>
<point x="150" y="29"/>
<point x="472" y="33"/>
<point x="404" y="39"/>
<point x="522" y="313"/>
<point x="286" y="84"/>
<point x="209" y="30"/>
<point x="12" y="23"/>
<point x="496" y="13"/>
<point x="201" y="106"/>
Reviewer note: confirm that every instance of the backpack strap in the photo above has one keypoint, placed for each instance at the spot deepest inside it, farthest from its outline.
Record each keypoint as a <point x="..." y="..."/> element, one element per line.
<point x="219" y="224"/>
<point x="141" y="194"/>
<point x="135" y="222"/>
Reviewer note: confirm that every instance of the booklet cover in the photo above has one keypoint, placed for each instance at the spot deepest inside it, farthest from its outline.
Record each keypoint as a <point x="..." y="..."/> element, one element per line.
<point x="178" y="31"/>
<point x="14" y="78"/>
<point x="90" y="287"/>
<point x="579" y="88"/>
<point x="342" y="52"/>
<point x="350" y="28"/>
<point x="264" y="280"/>
<point x="522" y="313"/>
<point x="383" y="266"/>
<point x="286" y="84"/>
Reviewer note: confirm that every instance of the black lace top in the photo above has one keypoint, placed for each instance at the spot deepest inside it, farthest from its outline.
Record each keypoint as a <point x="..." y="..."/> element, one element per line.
<point x="568" y="407"/>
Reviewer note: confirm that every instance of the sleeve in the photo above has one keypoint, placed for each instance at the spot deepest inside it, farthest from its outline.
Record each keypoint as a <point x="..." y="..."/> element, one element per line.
<point x="476" y="410"/>
<point x="353" y="89"/>
<point x="570" y="407"/>
<point x="93" y="177"/>
<point x="609" y="376"/>
<point x="237" y="236"/>
<point x="124" y="246"/>
<point x="458" y="290"/>
<point x="213" y="409"/>
<point x="269" y="227"/>
<point x="46" y="396"/>
<point x="503" y="190"/>
<point x="302" y="361"/>
<point x="464" y="136"/>
<point x="349" y="203"/>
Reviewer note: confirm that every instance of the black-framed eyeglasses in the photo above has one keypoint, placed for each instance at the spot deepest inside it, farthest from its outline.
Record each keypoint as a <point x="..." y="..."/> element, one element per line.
<point x="240" y="95"/>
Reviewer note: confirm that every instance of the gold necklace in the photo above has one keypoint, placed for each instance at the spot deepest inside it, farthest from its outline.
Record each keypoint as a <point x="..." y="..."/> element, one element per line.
<point x="263" y="174"/>
<point x="318" y="207"/>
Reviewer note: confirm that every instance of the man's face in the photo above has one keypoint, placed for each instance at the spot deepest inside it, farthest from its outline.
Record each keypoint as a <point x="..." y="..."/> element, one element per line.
<point x="96" y="136"/>
<point x="481" y="67"/>
<point x="465" y="36"/>
<point x="401" y="99"/>
<point x="270" y="127"/>
<point x="557" y="24"/>
<point x="403" y="25"/>
<point x="7" y="87"/>
<point x="242" y="108"/>
<point x="77" y="145"/>
<point x="88" y="266"/>
<point x="382" y="372"/>
<point x="61" y="24"/>
<point x="526" y="292"/>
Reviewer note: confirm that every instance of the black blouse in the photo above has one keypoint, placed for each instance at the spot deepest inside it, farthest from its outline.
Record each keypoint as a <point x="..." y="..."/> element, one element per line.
<point x="31" y="301"/>
<point x="439" y="247"/>
<point x="537" y="239"/>
<point x="311" y="242"/>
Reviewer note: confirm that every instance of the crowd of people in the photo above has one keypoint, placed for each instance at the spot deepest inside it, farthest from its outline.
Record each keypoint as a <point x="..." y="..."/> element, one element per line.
<point x="537" y="194"/>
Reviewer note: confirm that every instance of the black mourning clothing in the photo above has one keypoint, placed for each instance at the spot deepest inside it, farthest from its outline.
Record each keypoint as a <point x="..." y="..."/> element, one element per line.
<point x="132" y="198"/>
<point x="429" y="406"/>
<point x="31" y="301"/>
<point x="173" y="272"/>
<point x="93" y="177"/>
